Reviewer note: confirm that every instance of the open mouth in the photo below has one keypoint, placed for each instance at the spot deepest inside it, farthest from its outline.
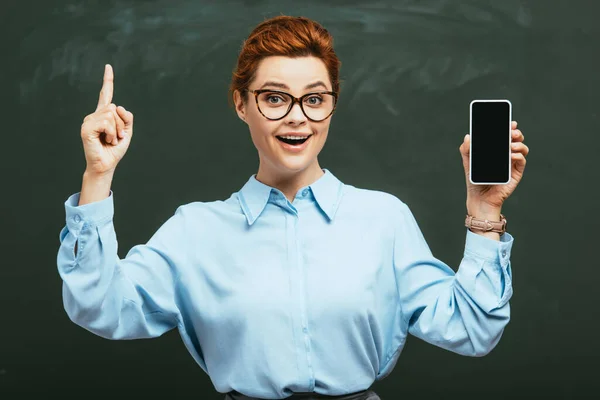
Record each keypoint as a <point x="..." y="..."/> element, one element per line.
<point x="293" y="142"/>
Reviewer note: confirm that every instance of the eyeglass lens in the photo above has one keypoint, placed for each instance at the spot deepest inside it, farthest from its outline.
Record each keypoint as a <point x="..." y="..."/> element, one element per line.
<point x="316" y="106"/>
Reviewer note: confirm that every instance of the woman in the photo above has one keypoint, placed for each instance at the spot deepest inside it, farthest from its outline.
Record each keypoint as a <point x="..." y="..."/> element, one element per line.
<point x="297" y="284"/>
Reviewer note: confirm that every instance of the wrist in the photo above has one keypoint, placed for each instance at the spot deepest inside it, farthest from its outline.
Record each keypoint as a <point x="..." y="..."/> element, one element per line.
<point x="484" y="211"/>
<point x="98" y="176"/>
<point x="95" y="187"/>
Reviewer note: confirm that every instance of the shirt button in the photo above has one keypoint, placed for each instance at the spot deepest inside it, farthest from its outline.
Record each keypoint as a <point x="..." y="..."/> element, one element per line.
<point x="305" y="192"/>
<point x="304" y="330"/>
<point x="503" y="253"/>
<point x="77" y="218"/>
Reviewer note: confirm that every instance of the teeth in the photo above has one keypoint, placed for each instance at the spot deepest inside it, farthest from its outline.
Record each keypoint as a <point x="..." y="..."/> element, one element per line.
<point x="294" y="137"/>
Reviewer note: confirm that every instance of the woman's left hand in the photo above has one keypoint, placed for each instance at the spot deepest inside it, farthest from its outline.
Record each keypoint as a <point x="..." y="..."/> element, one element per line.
<point x="493" y="196"/>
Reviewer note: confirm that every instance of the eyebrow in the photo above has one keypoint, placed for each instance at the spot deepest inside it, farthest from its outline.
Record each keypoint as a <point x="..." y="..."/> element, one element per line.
<point x="284" y="86"/>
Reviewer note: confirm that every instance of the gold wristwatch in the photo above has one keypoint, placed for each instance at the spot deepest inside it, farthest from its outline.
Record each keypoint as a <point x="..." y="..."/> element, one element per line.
<point x="486" y="225"/>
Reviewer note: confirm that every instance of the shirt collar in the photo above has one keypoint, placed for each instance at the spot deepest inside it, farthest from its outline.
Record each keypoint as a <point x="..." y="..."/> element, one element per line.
<point x="254" y="195"/>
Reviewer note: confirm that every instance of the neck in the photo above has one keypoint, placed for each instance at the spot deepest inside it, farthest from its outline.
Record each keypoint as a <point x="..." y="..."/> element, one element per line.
<point x="289" y="182"/>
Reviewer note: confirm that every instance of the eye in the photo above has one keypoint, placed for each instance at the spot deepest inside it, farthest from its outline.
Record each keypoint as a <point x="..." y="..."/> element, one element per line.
<point x="275" y="97"/>
<point x="314" y="100"/>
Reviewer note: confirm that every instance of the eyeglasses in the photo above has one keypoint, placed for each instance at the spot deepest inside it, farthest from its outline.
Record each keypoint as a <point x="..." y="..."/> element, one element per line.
<point x="275" y="104"/>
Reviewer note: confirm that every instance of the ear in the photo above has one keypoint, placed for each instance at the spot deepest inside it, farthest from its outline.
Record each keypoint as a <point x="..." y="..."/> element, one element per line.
<point x="240" y="107"/>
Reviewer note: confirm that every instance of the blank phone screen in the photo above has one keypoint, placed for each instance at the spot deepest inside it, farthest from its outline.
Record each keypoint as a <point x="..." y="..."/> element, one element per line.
<point x="490" y="142"/>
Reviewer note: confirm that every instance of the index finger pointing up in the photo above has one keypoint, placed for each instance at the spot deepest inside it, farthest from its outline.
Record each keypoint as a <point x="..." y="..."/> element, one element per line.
<point x="106" y="93"/>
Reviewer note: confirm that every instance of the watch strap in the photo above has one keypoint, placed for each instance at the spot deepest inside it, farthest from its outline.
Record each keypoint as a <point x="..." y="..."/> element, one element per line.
<point x="486" y="225"/>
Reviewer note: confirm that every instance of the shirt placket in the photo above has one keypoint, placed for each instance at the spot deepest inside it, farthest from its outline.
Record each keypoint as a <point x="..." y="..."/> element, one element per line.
<point x="298" y="287"/>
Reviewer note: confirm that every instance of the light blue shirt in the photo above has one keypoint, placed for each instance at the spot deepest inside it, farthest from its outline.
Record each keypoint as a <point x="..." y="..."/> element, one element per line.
<point x="272" y="297"/>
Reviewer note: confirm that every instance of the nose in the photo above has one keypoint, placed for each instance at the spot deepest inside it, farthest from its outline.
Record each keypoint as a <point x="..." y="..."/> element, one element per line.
<point x="296" y="115"/>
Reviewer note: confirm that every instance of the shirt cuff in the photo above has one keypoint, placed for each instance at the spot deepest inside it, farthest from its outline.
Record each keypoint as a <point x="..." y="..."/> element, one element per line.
<point x="88" y="214"/>
<point x="490" y="249"/>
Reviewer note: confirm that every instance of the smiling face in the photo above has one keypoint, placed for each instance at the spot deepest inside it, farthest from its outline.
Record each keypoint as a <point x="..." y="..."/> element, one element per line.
<point x="296" y="76"/>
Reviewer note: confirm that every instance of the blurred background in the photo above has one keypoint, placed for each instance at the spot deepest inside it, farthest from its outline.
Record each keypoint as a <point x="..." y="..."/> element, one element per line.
<point x="409" y="71"/>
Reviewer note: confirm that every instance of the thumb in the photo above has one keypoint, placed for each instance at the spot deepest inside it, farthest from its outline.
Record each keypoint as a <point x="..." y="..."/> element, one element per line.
<point x="464" y="152"/>
<point x="465" y="147"/>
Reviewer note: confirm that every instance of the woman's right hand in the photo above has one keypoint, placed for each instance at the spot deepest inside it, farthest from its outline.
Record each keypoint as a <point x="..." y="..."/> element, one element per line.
<point x="106" y="133"/>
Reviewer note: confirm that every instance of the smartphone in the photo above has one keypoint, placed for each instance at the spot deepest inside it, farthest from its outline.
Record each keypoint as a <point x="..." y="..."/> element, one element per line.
<point x="490" y="131"/>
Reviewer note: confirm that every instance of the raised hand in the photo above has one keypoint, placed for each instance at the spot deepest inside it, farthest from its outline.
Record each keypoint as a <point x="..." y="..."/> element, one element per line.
<point x="107" y="132"/>
<point x="493" y="196"/>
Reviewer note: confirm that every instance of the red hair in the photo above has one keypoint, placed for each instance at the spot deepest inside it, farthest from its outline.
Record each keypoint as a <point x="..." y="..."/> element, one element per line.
<point x="284" y="36"/>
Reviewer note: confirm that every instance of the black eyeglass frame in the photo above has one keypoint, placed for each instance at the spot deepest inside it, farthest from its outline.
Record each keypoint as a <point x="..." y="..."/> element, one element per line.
<point x="295" y="100"/>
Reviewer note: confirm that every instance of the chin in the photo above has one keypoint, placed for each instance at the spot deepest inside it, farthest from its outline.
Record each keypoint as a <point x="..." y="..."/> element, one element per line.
<point x="298" y="166"/>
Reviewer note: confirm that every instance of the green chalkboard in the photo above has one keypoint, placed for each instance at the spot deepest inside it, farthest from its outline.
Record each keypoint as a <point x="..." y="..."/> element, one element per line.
<point x="409" y="71"/>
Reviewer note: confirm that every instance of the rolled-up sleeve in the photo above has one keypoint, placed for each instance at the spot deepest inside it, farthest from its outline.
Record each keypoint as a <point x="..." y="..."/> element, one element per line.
<point x="130" y="298"/>
<point x="464" y="312"/>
